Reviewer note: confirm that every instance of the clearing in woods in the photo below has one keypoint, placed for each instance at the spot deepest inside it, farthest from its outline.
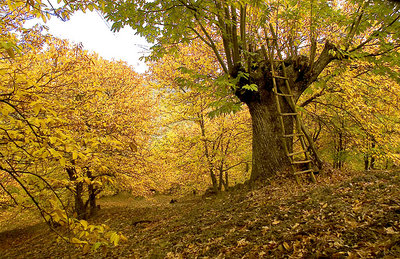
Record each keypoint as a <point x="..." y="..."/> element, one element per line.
<point x="355" y="215"/>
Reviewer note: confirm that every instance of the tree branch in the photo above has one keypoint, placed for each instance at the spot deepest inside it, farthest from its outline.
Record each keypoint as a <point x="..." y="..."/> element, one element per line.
<point x="324" y="59"/>
<point x="236" y="56"/>
<point x="374" y="34"/>
<point x="243" y="28"/>
<point x="227" y="38"/>
<point x="354" y="26"/>
<point x="212" y="45"/>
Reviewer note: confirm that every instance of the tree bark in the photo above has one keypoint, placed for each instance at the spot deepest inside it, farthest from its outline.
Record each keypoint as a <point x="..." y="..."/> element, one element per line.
<point x="226" y="183"/>
<point x="80" y="207"/>
<point x="92" y="192"/>
<point x="214" y="180"/>
<point x="221" y="179"/>
<point x="269" y="156"/>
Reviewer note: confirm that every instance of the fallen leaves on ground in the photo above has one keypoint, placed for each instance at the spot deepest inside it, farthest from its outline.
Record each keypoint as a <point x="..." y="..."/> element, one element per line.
<point x="357" y="217"/>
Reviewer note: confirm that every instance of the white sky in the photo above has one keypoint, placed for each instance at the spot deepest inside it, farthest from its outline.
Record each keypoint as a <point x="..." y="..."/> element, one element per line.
<point x="95" y="35"/>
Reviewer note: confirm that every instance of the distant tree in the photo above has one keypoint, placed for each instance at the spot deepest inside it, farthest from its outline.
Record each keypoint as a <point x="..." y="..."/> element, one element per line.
<point x="191" y="144"/>
<point x="354" y="111"/>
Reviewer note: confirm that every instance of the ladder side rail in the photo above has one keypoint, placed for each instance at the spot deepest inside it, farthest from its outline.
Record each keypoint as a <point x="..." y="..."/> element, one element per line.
<point x="278" y="106"/>
<point x="306" y="134"/>
<point x="288" y="90"/>
<point x="312" y="146"/>
<point x="293" y="105"/>
<point x="275" y="89"/>
<point x="289" y="99"/>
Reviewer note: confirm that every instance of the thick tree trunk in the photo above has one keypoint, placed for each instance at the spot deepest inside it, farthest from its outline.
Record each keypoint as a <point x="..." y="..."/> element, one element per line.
<point x="269" y="154"/>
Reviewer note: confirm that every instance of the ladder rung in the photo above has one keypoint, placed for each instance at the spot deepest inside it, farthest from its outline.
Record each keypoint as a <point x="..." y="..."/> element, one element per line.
<point x="293" y="135"/>
<point x="281" y="77"/>
<point x="296" y="153"/>
<point x="301" y="162"/>
<point x="280" y="94"/>
<point x="305" y="171"/>
<point x="289" y="114"/>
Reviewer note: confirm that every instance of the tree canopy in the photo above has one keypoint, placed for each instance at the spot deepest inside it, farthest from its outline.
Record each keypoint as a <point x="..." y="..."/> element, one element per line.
<point x="310" y="35"/>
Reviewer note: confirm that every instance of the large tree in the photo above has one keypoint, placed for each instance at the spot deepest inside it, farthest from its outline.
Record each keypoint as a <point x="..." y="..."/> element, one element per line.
<point x="310" y="35"/>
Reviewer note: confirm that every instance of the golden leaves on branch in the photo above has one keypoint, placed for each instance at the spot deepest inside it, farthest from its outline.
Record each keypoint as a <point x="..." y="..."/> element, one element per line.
<point x="62" y="107"/>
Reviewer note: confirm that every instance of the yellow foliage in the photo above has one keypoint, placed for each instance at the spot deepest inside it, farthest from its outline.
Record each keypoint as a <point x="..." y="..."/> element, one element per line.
<point x="191" y="144"/>
<point x="62" y="107"/>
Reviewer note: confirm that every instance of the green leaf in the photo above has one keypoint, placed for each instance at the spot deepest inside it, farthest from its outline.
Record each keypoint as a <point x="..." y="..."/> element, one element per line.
<point x="54" y="153"/>
<point x="74" y="240"/>
<point x="96" y="246"/>
<point x="86" y="249"/>
<point x="62" y="161"/>
<point x="251" y="87"/>
<point x="53" y="140"/>
<point x="10" y="52"/>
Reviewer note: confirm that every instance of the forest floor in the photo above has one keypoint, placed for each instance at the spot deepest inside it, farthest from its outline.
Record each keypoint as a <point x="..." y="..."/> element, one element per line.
<point x="353" y="215"/>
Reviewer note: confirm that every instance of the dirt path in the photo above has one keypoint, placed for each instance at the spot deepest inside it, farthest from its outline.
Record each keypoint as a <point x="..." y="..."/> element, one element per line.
<point x="358" y="217"/>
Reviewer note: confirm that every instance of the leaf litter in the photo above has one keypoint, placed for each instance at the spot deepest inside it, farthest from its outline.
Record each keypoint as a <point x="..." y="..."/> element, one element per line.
<point x="356" y="216"/>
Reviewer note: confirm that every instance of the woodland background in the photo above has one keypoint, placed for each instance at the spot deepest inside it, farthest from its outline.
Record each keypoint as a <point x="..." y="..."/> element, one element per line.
<point x="76" y="128"/>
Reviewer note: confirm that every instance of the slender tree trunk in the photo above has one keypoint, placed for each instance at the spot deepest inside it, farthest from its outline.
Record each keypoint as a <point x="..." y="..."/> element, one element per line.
<point x="366" y="162"/>
<point x="80" y="207"/>
<point x="92" y="194"/>
<point x="387" y="163"/>
<point x="214" y="180"/>
<point x="226" y="183"/>
<point x="372" y="164"/>
<point x="207" y="153"/>
<point x="221" y="179"/>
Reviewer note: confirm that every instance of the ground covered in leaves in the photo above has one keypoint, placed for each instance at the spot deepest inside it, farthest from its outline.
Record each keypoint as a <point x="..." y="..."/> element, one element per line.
<point x="356" y="216"/>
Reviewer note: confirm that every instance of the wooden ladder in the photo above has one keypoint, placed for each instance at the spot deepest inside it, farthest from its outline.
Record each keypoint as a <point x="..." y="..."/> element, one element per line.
<point x="303" y="158"/>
